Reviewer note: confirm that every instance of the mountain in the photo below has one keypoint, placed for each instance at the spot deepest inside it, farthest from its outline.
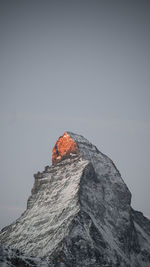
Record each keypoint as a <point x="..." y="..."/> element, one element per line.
<point x="79" y="213"/>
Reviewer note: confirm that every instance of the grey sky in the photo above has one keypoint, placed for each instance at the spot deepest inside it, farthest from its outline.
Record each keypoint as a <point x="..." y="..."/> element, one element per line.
<point x="82" y="66"/>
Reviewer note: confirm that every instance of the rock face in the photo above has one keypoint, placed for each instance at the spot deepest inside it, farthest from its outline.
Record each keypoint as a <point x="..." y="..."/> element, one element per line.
<point x="79" y="213"/>
<point x="63" y="148"/>
<point x="15" y="258"/>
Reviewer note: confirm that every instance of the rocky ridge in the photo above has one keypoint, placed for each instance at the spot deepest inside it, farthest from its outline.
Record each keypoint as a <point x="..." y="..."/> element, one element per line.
<point x="79" y="213"/>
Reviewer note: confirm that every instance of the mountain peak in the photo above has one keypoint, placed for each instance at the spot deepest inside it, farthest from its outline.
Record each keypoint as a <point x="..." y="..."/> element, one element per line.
<point x="64" y="146"/>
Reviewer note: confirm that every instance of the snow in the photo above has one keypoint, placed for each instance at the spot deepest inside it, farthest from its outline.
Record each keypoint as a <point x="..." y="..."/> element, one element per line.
<point x="41" y="228"/>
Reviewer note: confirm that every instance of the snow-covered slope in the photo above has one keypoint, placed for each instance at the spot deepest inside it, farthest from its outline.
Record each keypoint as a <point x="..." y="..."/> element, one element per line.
<point x="79" y="213"/>
<point x="51" y="208"/>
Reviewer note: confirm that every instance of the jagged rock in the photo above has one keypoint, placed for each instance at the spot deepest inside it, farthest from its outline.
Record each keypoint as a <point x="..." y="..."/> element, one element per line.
<point x="79" y="213"/>
<point x="15" y="258"/>
<point x="63" y="147"/>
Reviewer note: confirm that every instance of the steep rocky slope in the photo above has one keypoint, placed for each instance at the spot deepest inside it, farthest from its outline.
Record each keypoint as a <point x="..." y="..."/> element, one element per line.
<point x="79" y="213"/>
<point x="15" y="258"/>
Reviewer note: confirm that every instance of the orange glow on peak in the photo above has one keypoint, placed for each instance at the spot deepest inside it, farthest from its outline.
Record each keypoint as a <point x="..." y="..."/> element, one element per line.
<point x="63" y="147"/>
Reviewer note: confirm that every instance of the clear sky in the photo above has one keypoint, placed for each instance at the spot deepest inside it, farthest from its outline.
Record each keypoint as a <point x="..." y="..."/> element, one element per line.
<point x="82" y="66"/>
